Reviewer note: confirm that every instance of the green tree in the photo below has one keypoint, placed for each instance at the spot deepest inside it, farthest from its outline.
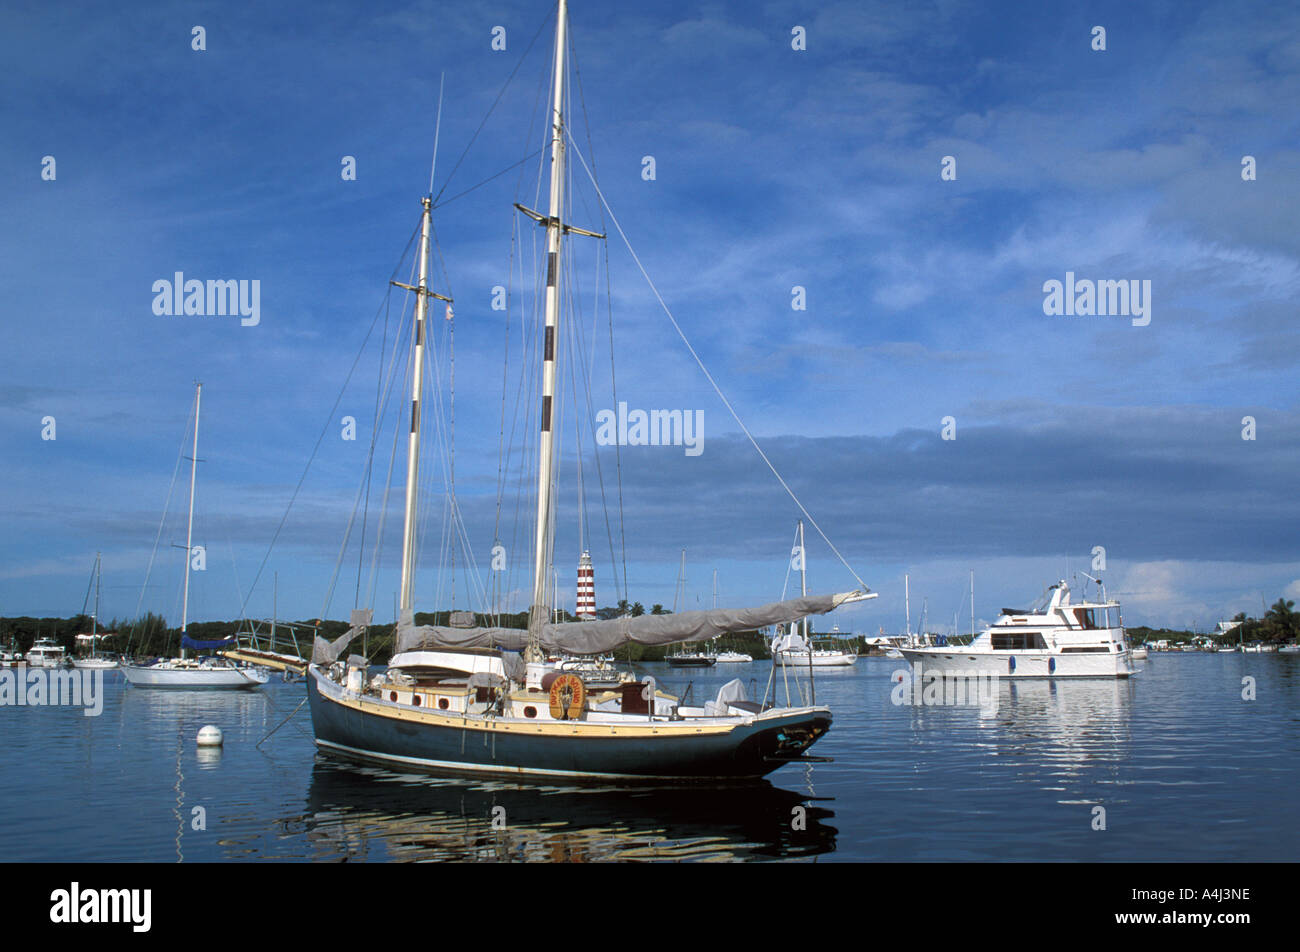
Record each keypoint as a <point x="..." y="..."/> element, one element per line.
<point x="1282" y="621"/>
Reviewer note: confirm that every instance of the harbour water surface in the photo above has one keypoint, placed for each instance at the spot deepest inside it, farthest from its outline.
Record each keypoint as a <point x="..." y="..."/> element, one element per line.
<point x="1184" y="767"/>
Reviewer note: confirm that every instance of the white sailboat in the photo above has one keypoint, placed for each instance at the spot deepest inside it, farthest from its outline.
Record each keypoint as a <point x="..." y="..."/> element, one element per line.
<point x="95" y="660"/>
<point x="203" y="672"/>
<point x="462" y="699"/>
<point x="797" y="649"/>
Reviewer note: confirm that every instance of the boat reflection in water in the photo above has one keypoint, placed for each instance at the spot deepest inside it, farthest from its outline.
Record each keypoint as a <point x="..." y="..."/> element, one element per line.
<point x="357" y="812"/>
<point x="1064" y="728"/>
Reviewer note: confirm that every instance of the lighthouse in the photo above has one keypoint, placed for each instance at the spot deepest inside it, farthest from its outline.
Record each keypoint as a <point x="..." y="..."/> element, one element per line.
<point x="586" y="601"/>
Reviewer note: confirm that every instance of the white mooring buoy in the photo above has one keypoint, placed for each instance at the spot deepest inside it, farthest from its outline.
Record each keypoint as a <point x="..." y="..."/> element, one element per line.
<point x="210" y="736"/>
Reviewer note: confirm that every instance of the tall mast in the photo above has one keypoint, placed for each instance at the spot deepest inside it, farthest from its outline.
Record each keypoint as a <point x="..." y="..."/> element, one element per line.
<point x="803" y="577"/>
<point x="417" y="387"/>
<point x="907" y="609"/>
<point x="972" y="604"/>
<point x="189" y="530"/>
<point x="803" y="590"/>
<point x="94" y="619"/>
<point x="546" y="444"/>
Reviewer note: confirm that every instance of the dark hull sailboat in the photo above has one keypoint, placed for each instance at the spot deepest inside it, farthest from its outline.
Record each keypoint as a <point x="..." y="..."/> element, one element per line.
<point x="382" y="731"/>
<point x="691" y="661"/>
<point x="462" y="699"/>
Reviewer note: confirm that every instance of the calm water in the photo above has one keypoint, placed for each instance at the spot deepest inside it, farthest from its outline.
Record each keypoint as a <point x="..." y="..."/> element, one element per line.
<point x="1184" y="767"/>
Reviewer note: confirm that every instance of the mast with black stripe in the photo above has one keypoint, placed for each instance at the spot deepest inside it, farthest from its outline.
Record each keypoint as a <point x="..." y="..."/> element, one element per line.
<point x="543" y="550"/>
<point x="422" y="295"/>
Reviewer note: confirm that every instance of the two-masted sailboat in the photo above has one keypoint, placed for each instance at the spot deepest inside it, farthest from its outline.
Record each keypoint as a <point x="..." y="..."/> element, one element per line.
<point x="204" y="672"/>
<point x="482" y="700"/>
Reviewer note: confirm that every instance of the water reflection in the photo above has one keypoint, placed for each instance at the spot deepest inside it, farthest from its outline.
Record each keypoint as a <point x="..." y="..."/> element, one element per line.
<point x="367" y="813"/>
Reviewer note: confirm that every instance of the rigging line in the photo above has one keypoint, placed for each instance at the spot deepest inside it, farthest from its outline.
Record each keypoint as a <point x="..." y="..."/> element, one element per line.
<point x="495" y="102"/>
<point x="524" y="406"/>
<point x="157" y="538"/>
<point x="388" y="479"/>
<point x="618" y="450"/>
<point x="716" y="389"/>
<point x="501" y="435"/>
<point x="387" y="379"/>
<point x="90" y="583"/>
<point x="381" y="401"/>
<point x="789" y="566"/>
<point x="370" y="455"/>
<point x="609" y="298"/>
<point x="600" y="474"/>
<point x="475" y="188"/>
<point x="347" y="535"/>
<point x="329" y="420"/>
<point x="437" y="128"/>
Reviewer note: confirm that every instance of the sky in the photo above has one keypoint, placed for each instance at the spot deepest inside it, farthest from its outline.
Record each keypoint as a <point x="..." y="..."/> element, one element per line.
<point x="855" y="214"/>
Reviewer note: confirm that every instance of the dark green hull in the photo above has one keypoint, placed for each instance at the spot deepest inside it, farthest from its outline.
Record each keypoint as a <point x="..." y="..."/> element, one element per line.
<point x="743" y="751"/>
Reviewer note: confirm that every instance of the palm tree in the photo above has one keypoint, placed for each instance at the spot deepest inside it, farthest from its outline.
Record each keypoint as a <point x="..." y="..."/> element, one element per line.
<point x="1283" y="619"/>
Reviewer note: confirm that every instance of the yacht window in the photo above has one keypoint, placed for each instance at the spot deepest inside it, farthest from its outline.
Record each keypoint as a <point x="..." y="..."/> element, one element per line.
<point x="1017" y="640"/>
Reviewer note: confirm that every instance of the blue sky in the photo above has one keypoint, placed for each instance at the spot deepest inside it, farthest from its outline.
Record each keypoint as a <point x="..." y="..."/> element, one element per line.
<point x="775" y="168"/>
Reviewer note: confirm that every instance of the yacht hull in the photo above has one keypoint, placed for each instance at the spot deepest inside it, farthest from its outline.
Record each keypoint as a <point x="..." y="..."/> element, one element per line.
<point x="370" y="729"/>
<point x="943" y="662"/>
<point x="232" y="679"/>
<point x="796" y="660"/>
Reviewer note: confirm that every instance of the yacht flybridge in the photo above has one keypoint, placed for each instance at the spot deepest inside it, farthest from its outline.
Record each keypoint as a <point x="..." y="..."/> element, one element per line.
<point x="470" y="699"/>
<point x="1055" y="639"/>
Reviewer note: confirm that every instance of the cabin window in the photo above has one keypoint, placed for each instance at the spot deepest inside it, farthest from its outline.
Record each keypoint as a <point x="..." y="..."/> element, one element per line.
<point x="1017" y="640"/>
<point x="1085" y="649"/>
<point x="1087" y="617"/>
<point x="392" y="695"/>
<point x="415" y="699"/>
<point x="530" y="711"/>
<point x="442" y="704"/>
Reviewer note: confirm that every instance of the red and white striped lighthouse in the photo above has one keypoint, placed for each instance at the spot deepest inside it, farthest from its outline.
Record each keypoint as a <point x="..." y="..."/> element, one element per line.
<point x="586" y="601"/>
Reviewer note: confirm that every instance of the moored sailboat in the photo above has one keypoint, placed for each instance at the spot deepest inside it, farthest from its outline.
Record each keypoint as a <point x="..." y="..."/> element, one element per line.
<point x="95" y="660"/>
<point x="195" y="673"/>
<point x="470" y="699"/>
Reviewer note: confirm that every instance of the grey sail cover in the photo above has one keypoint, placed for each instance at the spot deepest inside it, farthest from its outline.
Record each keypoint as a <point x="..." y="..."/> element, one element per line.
<point x="597" y="637"/>
<point x="324" y="651"/>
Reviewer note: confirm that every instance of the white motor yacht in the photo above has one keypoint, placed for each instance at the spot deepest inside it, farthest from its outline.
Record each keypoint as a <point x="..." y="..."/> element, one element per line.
<point x="1056" y="639"/>
<point x="46" y="653"/>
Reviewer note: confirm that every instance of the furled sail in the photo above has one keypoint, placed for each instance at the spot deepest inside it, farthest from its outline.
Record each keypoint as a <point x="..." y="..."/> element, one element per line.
<point x="597" y="637"/>
<point x="327" y="652"/>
